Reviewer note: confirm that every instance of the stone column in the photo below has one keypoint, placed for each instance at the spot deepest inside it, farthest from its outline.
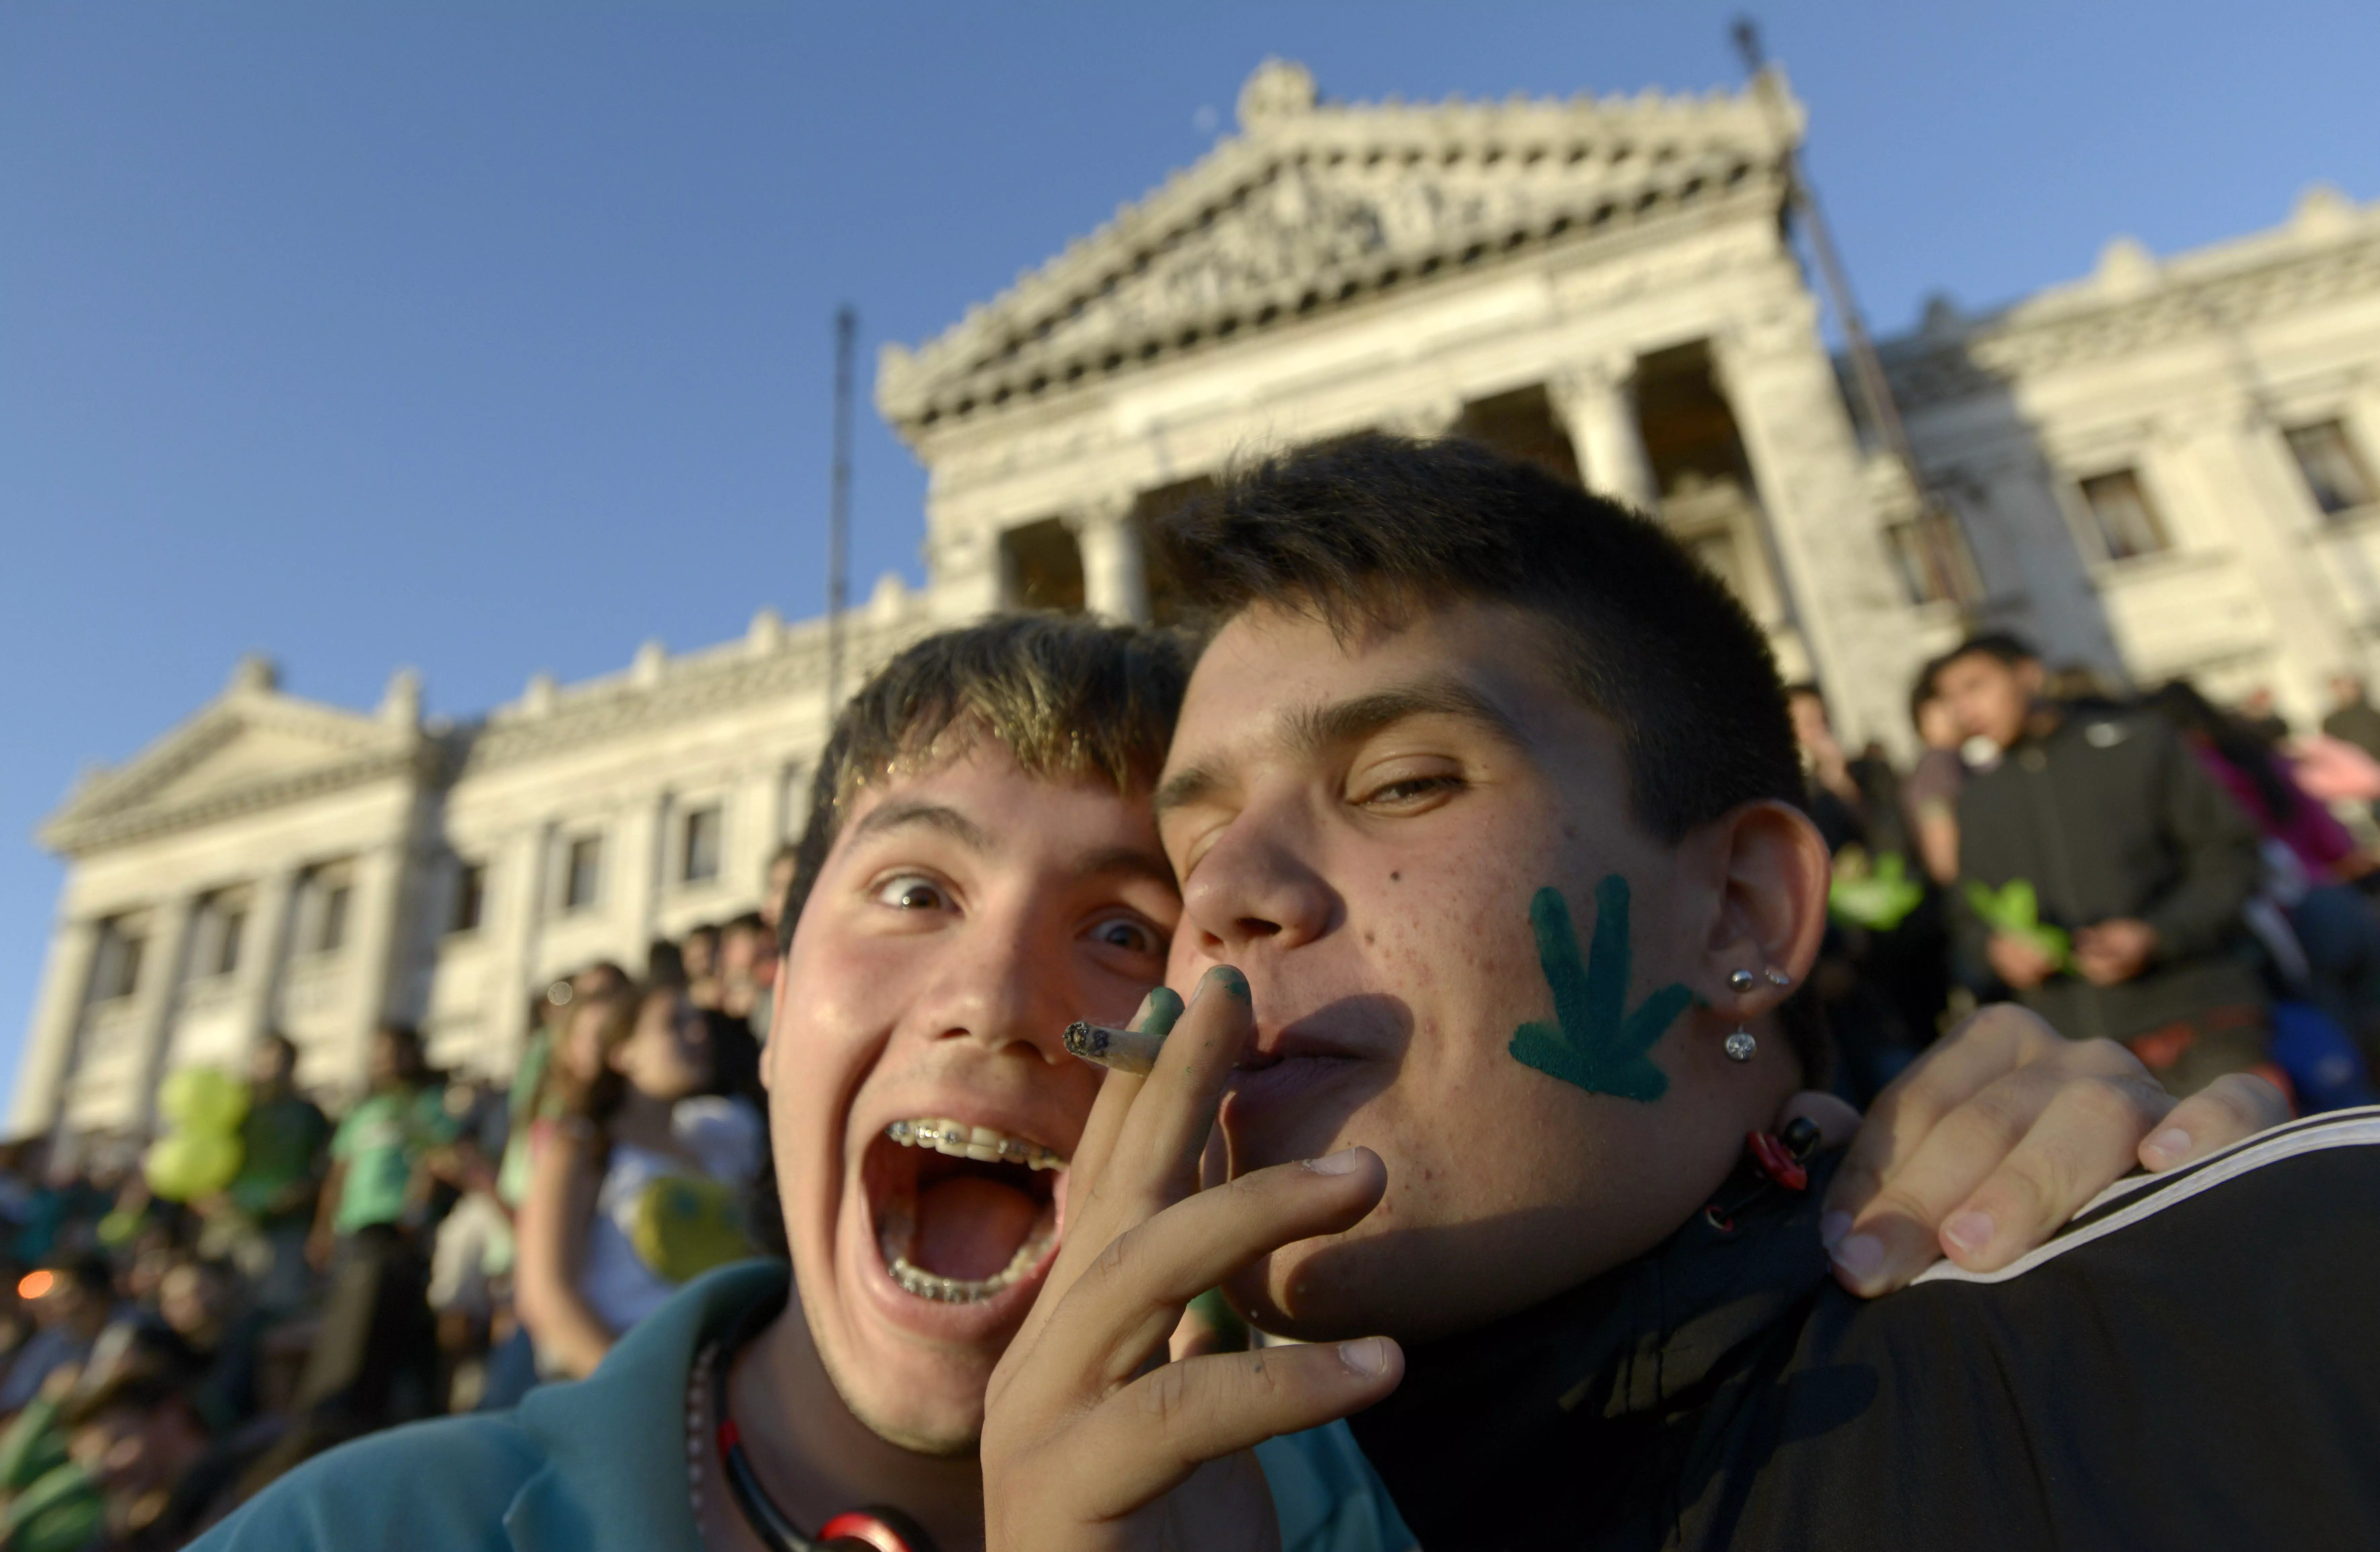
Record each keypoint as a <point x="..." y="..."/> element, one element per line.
<point x="48" y="1061"/>
<point x="1860" y="628"/>
<point x="642" y="874"/>
<point x="1115" y="570"/>
<point x="153" y="1002"/>
<point x="1597" y="403"/>
<point x="372" y="947"/>
<point x="268" y="949"/>
<point x="516" y="880"/>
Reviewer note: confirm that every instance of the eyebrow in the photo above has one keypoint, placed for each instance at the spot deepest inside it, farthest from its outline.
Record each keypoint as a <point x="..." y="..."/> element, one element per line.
<point x="931" y="816"/>
<point x="1345" y="721"/>
<point x="1130" y="861"/>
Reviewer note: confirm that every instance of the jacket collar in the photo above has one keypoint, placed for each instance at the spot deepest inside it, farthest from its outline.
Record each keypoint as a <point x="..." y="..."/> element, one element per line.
<point x="1598" y="1406"/>
<point x="615" y="1476"/>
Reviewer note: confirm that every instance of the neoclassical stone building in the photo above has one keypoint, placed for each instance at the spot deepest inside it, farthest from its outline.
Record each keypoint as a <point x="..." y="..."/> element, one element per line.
<point x="2165" y="469"/>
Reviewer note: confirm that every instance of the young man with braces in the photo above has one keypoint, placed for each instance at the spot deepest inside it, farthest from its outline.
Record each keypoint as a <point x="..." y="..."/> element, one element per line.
<point x="980" y="871"/>
<point x="1497" y="906"/>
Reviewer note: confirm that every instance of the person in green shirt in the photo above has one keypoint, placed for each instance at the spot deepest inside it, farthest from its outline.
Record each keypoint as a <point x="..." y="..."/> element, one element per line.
<point x="261" y="1222"/>
<point x="375" y="1359"/>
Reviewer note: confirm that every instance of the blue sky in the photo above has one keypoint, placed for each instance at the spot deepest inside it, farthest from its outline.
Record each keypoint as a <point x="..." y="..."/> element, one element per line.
<point x="487" y="338"/>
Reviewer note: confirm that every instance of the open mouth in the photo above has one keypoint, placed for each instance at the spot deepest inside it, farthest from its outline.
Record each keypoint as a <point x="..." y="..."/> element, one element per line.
<point x="961" y="1212"/>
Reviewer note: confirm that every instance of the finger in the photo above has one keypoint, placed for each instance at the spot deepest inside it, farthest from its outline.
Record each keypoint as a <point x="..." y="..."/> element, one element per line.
<point x="2234" y="1107"/>
<point x="1118" y="1311"/>
<point x="1159" y="1154"/>
<point x="1838" y="1120"/>
<point x="2107" y="1105"/>
<point x="2084" y="1141"/>
<point x="1155" y="1431"/>
<point x="1983" y="1048"/>
<point x="1159" y="1011"/>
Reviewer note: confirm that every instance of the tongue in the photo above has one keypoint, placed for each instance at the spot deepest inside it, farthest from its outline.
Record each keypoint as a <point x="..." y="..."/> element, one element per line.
<point x="970" y="1228"/>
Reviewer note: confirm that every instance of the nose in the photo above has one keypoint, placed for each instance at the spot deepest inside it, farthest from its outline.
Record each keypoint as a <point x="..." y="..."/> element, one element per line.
<point x="999" y="987"/>
<point x="1257" y="886"/>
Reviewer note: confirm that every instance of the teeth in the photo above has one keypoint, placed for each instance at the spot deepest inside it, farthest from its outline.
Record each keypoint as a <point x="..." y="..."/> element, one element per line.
<point x="924" y="1284"/>
<point x="981" y="1143"/>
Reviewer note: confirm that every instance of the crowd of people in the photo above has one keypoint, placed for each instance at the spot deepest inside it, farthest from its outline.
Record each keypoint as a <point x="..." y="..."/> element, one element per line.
<point x="2195" y="881"/>
<point x="442" y="1246"/>
<point x="1519" y="911"/>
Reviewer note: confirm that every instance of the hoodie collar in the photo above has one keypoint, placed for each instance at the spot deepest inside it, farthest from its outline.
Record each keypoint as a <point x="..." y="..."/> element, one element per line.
<point x="1595" y="1405"/>
<point x="614" y="1443"/>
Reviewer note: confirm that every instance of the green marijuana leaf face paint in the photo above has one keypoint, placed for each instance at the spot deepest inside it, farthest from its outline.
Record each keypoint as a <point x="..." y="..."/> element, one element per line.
<point x="1594" y="1041"/>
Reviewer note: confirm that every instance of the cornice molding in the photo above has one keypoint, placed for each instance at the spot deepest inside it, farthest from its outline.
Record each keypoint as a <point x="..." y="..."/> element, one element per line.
<point x="1315" y="206"/>
<point x="2128" y="310"/>
<point x="792" y="663"/>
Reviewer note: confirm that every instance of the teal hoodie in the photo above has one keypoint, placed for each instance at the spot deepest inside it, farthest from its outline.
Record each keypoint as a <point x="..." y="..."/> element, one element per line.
<point x="600" y="1464"/>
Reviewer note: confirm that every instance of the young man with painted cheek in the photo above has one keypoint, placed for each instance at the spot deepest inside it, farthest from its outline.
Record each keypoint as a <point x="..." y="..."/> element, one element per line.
<point x="1495" y="908"/>
<point x="982" y="868"/>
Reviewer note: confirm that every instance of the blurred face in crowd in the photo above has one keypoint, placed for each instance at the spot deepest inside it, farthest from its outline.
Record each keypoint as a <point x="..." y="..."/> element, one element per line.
<point x="700" y="954"/>
<point x="580" y="1050"/>
<point x="1989" y="698"/>
<point x="1811" y="731"/>
<point x="272" y="1065"/>
<point x="1364" y="826"/>
<point x="740" y="951"/>
<point x="667" y="1054"/>
<point x="772" y="896"/>
<point x="923" y="1106"/>
<point x="2346" y="690"/>
<point x="1938" y="725"/>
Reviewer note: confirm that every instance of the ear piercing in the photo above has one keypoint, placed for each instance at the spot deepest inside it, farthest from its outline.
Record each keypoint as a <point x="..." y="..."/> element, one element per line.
<point x="1740" y="1046"/>
<point x="1741" y="982"/>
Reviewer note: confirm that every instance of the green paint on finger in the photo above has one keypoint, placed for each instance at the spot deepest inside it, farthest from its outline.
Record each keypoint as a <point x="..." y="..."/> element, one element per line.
<point x="1594" y="1041"/>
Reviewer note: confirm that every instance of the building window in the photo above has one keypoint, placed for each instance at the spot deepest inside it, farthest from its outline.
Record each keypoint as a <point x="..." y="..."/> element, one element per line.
<point x="2123" y="521"/>
<point x="470" y="897"/>
<point x="215" y="947"/>
<point x="1932" y="559"/>
<point x="793" y="802"/>
<point x="582" y="872"/>
<point x="699" y="846"/>
<point x="323" y="899"/>
<point x="116" y="972"/>
<point x="2335" y="475"/>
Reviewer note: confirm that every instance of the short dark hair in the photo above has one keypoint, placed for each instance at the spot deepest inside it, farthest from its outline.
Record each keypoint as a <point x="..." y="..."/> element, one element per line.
<point x="1065" y="695"/>
<point x="2006" y="647"/>
<point x="1370" y="529"/>
<point x="1366" y="530"/>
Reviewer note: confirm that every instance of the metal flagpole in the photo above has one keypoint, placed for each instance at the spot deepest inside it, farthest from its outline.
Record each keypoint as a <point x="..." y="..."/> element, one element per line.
<point x="1946" y="555"/>
<point x="838" y="511"/>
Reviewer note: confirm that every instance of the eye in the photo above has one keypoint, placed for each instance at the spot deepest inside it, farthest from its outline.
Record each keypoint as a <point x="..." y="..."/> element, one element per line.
<point x="1405" y="794"/>
<point x="911" y="891"/>
<point x="1130" y="934"/>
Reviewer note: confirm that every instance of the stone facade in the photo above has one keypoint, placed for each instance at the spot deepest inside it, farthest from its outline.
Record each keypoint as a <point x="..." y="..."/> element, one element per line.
<point x="2164" y="469"/>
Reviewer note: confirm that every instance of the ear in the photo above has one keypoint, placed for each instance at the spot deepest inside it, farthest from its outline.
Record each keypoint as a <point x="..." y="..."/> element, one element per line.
<point x="1772" y="910"/>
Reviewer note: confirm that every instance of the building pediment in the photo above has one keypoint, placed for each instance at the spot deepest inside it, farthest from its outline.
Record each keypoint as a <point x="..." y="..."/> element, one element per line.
<point x="251" y="747"/>
<point x="1313" y="204"/>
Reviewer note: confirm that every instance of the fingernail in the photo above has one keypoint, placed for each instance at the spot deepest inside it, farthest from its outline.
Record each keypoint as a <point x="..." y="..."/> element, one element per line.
<point x="1231" y="980"/>
<point x="2170" y="1146"/>
<point x="1158" y="1011"/>
<point x="1859" y="1255"/>
<point x="1368" y="1357"/>
<point x="1968" y="1232"/>
<point x="1345" y="1161"/>
<point x="1832" y="1227"/>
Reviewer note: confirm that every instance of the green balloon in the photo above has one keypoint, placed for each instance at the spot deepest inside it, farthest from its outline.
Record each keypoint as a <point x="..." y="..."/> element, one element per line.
<point x="182" y="1166"/>
<point x="203" y="1100"/>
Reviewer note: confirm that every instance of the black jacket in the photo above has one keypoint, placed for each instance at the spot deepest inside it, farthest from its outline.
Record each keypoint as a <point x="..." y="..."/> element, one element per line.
<point x="2110" y="816"/>
<point x="2190" y="1364"/>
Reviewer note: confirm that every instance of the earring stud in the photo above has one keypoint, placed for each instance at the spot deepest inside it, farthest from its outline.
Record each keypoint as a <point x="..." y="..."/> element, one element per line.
<point x="1740" y="1046"/>
<point x="1778" y="978"/>
<point x="1741" y="982"/>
